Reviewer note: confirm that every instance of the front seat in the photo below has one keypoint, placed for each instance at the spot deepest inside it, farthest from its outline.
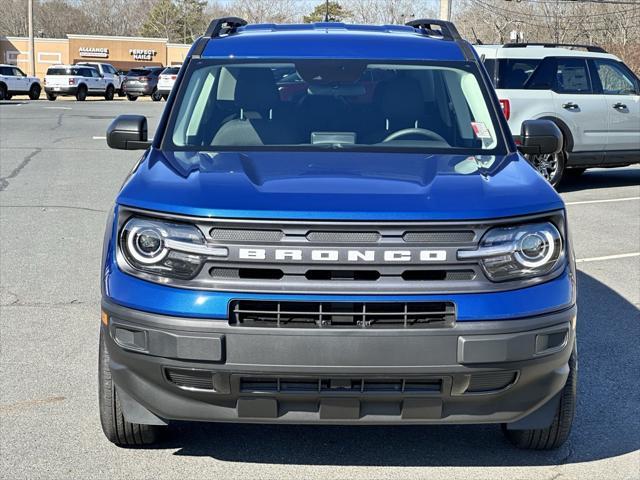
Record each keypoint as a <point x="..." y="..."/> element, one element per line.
<point x="256" y="121"/>
<point x="400" y="104"/>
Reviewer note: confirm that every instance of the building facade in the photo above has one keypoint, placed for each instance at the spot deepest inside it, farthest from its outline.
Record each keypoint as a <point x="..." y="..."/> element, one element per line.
<point x="123" y="53"/>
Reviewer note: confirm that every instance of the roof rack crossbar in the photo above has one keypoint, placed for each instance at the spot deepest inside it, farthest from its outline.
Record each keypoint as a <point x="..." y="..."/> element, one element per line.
<point x="224" y="26"/>
<point x="589" y="48"/>
<point x="447" y="29"/>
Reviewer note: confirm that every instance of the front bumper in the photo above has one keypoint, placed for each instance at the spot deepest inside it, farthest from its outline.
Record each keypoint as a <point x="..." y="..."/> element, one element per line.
<point x="473" y="372"/>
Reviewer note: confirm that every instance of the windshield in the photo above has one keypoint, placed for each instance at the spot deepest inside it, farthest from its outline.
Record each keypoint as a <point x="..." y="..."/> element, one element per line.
<point x="341" y="104"/>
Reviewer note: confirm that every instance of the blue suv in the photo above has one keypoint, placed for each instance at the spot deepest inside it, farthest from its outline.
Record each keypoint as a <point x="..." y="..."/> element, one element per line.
<point x="333" y="225"/>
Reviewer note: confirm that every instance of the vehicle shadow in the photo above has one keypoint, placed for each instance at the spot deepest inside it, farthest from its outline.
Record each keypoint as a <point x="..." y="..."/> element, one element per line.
<point x="606" y="423"/>
<point x="602" y="178"/>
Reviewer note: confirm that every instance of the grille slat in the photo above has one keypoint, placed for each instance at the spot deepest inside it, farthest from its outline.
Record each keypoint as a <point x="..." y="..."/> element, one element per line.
<point x="185" y="378"/>
<point x="439" y="237"/>
<point x="245" y="235"/>
<point x="249" y="313"/>
<point x="488" y="382"/>
<point x="343" y="237"/>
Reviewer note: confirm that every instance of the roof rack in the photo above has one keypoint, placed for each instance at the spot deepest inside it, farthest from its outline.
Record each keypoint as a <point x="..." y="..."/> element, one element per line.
<point x="588" y="48"/>
<point x="447" y="29"/>
<point x="220" y="27"/>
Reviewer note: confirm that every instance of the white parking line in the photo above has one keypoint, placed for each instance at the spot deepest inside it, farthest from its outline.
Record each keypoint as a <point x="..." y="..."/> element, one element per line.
<point x="625" y="199"/>
<point x="99" y="138"/>
<point x="608" y="257"/>
<point x="58" y="108"/>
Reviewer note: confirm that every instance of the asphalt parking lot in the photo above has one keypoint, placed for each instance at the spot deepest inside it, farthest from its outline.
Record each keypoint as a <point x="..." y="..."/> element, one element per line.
<point x="57" y="181"/>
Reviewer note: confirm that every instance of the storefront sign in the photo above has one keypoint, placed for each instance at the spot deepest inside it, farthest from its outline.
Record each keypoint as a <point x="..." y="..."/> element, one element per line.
<point x="139" y="54"/>
<point x="94" y="52"/>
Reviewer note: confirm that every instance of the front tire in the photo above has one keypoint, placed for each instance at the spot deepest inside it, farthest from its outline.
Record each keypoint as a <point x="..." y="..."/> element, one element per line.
<point x="132" y="98"/>
<point x="3" y="92"/>
<point x="114" y="425"/>
<point x="51" y="97"/>
<point x="81" y="94"/>
<point x="557" y="433"/>
<point x="155" y="96"/>
<point x="108" y="95"/>
<point x="550" y="166"/>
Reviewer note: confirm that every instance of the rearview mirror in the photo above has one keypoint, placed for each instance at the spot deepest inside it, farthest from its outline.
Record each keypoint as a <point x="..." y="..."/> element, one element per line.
<point x="128" y="132"/>
<point x="540" y="137"/>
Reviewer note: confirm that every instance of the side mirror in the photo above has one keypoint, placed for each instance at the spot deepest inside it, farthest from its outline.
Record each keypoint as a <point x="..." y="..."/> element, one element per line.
<point x="128" y="132"/>
<point x="540" y="137"/>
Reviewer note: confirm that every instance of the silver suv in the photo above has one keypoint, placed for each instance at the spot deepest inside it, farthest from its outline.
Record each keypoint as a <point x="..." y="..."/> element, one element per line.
<point x="591" y="95"/>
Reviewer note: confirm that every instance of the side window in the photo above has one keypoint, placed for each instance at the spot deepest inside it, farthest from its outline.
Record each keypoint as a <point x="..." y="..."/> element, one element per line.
<point x="614" y="79"/>
<point x="515" y="73"/>
<point x="18" y="73"/>
<point x="572" y="76"/>
<point x="5" y="71"/>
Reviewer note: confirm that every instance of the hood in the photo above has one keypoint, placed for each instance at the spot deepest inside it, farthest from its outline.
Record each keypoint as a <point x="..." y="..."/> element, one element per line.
<point x="337" y="185"/>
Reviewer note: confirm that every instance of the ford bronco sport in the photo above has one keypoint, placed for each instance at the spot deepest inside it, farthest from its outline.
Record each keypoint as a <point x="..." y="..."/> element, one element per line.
<point x="591" y="95"/>
<point x="333" y="225"/>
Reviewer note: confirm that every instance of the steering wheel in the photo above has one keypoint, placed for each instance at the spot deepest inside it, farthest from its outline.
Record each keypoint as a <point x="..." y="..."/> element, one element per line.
<point x="414" y="131"/>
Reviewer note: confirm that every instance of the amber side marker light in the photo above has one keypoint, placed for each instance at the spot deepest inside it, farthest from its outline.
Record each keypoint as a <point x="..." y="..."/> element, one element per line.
<point x="104" y="317"/>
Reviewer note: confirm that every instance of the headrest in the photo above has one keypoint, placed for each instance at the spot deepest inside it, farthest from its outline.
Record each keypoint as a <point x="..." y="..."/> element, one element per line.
<point x="400" y="98"/>
<point x="256" y="89"/>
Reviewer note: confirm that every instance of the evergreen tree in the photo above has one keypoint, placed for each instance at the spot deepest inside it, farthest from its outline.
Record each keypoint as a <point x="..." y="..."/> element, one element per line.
<point x="161" y="21"/>
<point x="336" y="13"/>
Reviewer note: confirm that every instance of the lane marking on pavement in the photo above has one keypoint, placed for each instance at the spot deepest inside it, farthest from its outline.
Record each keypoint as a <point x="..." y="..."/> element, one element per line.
<point x="99" y="138"/>
<point x="58" y="108"/>
<point x="625" y="199"/>
<point x="608" y="257"/>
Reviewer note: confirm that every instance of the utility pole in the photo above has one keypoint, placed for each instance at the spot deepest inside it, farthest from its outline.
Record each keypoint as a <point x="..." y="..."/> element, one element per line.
<point x="32" y="49"/>
<point x="445" y="10"/>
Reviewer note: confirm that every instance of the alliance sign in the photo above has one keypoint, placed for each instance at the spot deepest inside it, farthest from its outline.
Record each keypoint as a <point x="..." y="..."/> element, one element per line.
<point x="94" y="52"/>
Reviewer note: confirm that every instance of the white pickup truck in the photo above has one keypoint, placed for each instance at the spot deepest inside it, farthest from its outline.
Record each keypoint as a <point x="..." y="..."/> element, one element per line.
<point x="13" y="81"/>
<point x="77" y="80"/>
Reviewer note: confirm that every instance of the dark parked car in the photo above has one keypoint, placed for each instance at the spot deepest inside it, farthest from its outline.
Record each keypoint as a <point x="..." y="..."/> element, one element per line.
<point x="142" y="81"/>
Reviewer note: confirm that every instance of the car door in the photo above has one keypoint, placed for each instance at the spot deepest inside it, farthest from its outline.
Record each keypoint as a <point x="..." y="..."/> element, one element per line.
<point x="622" y="96"/>
<point x="578" y="105"/>
<point x="22" y="79"/>
<point x="96" y="80"/>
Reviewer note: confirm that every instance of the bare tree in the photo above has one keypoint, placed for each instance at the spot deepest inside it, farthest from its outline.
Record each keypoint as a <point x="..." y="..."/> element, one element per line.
<point x="13" y="19"/>
<point x="257" y="11"/>
<point x="616" y="27"/>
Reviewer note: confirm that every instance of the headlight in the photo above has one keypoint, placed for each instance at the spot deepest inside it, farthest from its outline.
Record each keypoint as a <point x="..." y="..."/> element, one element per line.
<point x="528" y="250"/>
<point x="165" y="248"/>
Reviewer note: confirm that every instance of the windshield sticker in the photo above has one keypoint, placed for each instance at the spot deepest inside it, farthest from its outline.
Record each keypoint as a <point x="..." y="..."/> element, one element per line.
<point x="481" y="130"/>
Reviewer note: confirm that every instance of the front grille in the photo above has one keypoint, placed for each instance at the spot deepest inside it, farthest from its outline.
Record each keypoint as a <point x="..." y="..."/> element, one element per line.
<point x="190" y="378"/>
<point x="318" y="385"/>
<point x="324" y="257"/>
<point x="269" y="314"/>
